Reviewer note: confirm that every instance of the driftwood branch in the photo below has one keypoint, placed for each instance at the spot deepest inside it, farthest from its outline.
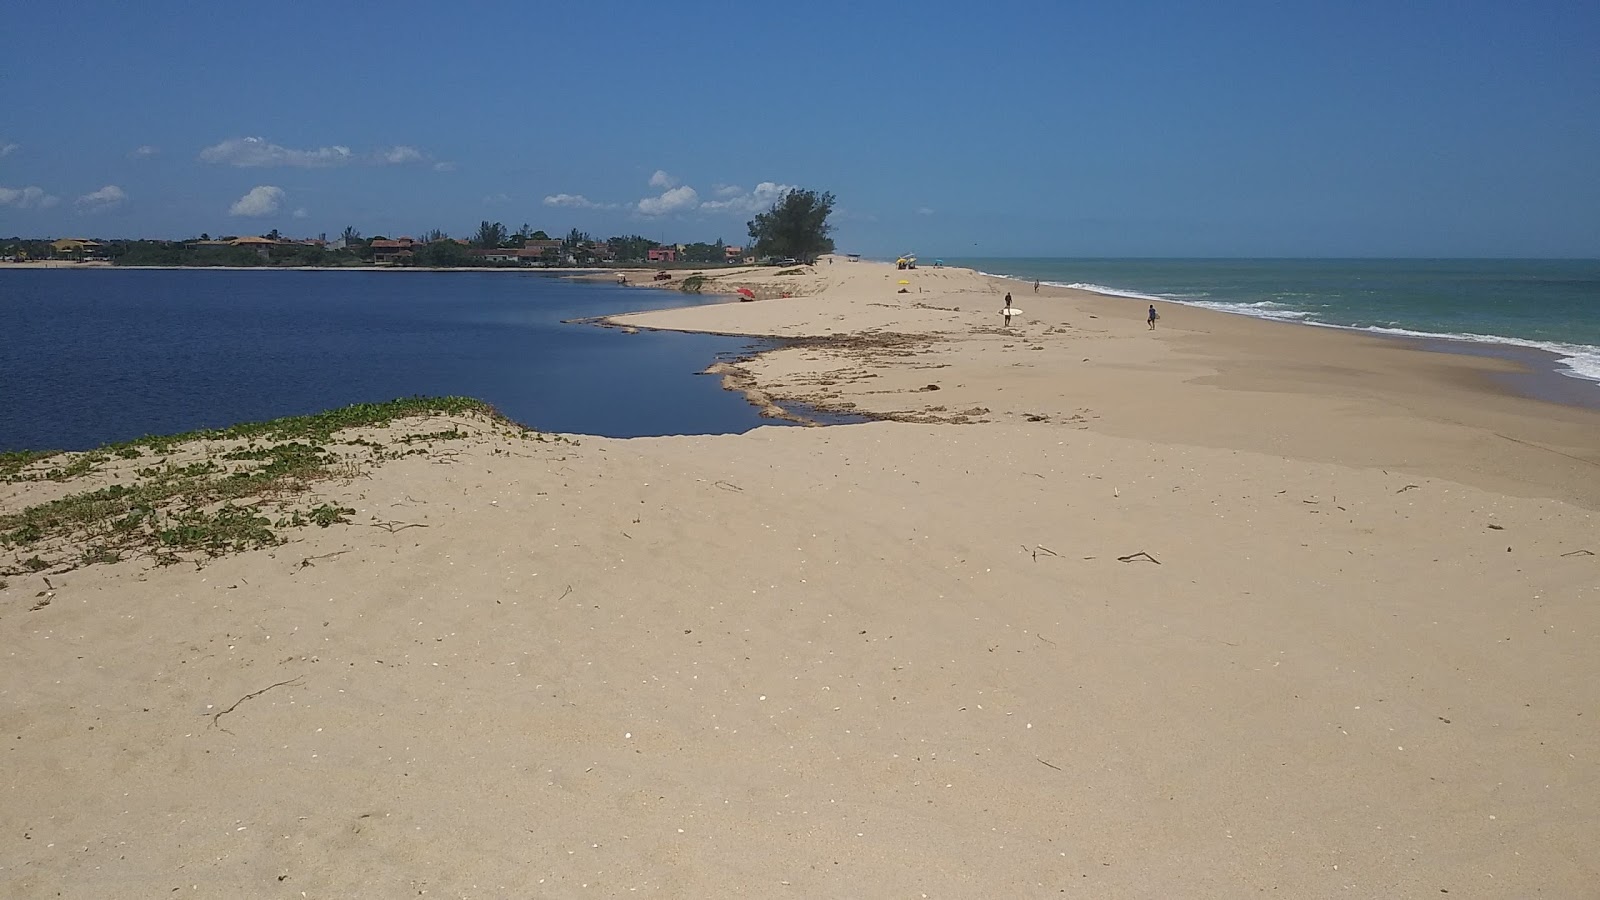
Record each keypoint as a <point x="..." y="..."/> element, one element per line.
<point x="216" y="720"/>
<point x="1037" y="549"/>
<point x="392" y="527"/>
<point x="311" y="560"/>
<point x="1141" y="555"/>
<point x="1579" y="553"/>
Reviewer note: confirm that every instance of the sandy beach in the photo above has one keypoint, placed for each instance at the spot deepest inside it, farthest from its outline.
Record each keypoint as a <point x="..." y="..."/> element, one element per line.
<point x="1226" y="608"/>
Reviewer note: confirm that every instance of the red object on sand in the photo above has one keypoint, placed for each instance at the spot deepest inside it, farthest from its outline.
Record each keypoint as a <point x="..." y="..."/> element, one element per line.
<point x="748" y="293"/>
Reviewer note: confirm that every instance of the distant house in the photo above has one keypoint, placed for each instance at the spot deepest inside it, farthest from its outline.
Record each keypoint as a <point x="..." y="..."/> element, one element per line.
<point x="662" y="254"/>
<point x="732" y="254"/>
<point x="542" y="245"/>
<point x="532" y="253"/>
<point x="76" y="248"/>
<point x="261" y="245"/>
<point x="497" y="255"/>
<point x="386" y="252"/>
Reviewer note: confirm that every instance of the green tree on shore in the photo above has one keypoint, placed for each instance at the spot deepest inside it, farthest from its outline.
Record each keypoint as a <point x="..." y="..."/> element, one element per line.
<point x="489" y="236"/>
<point x="795" y="225"/>
<point x="630" y="247"/>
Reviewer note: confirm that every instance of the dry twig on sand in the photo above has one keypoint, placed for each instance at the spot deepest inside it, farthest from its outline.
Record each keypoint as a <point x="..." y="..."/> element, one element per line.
<point x="216" y="720"/>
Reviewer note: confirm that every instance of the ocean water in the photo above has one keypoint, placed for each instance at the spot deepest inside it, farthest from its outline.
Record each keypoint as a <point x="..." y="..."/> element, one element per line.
<point x="1550" y="305"/>
<point x="91" y="357"/>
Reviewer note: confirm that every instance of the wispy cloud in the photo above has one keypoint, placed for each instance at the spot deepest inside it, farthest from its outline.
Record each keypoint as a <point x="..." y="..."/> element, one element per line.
<point x="677" y="198"/>
<point x="30" y="197"/>
<point x="301" y="213"/>
<point x="737" y="200"/>
<point x="924" y="211"/>
<point x="444" y="167"/>
<point x="260" y="153"/>
<point x="403" y="155"/>
<point x="496" y="199"/>
<point x="7" y="148"/>
<point x="254" y="152"/>
<point x="575" y="201"/>
<point x="263" y="200"/>
<point x="143" y="152"/>
<point x="108" y="197"/>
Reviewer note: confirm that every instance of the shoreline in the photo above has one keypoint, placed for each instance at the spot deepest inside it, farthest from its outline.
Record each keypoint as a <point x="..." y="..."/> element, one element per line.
<point x="1444" y="394"/>
<point x="1560" y="362"/>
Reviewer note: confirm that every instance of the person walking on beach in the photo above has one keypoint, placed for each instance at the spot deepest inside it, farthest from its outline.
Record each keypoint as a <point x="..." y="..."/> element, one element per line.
<point x="1152" y="317"/>
<point x="1006" y="310"/>
<point x="1036" y="287"/>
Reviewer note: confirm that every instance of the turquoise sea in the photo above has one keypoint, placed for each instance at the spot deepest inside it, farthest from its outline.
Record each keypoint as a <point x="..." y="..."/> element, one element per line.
<point x="1551" y="305"/>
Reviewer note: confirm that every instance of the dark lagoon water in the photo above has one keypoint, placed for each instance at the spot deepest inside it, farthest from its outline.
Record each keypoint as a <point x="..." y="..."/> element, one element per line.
<point x="91" y="357"/>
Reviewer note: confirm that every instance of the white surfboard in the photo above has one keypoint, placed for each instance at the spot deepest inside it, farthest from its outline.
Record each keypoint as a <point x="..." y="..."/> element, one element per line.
<point x="1011" y="311"/>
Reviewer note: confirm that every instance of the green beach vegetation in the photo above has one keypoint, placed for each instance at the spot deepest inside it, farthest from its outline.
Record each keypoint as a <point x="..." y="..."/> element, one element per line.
<point x="201" y="494"/>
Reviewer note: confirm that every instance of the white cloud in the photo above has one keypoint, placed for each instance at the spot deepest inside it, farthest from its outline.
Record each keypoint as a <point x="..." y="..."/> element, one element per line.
<point x="401" y="155"/>
<point x="678" y="199"/>
<point x="254" y="152"/>
<point x="924" y="211"/>
<point x="726" y="190"/>
<point x="662" y="180"/>
<point x="6" y="149"/>
<point x="143" y="152"/>
<point x="106" y="198"/>
<point x="444" y="167"/>
<point x="30" y="197"/>
<point x="738" y="201"/>
<point x="263" y="200"/>
<point x="496" y="199"/>
<point x="301" y="213"/>
<point x="575" y="201"/>
<point x="260" y="153"/>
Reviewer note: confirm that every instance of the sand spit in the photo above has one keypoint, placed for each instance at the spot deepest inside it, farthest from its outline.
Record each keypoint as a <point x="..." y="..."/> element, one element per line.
<point x="1166" y="618"/>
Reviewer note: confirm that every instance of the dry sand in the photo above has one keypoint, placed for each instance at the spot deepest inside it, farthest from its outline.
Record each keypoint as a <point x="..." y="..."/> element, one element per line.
<point x="908" y="658"/>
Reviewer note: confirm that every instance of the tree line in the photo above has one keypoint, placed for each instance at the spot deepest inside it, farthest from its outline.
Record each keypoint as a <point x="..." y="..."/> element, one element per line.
<point x="794" y="226"/>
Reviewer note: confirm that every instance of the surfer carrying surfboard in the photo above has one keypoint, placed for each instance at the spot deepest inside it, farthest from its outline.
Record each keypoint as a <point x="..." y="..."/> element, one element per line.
<point x="1151" y="319"/>
<point x="1006" y="310"/>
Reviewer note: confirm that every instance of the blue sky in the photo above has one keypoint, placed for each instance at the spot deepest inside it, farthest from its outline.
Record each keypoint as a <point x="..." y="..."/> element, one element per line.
<point x="1001" y="129"/>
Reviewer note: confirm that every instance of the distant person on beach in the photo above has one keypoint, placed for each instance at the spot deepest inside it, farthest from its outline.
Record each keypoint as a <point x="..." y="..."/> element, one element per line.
<point x="1006" y="310"/>
<point x="1036" y="287"/>
<point x="1151" y="319"/>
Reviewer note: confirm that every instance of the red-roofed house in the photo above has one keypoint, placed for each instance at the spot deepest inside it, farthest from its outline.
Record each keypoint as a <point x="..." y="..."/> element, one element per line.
<point x="391" y="252"/>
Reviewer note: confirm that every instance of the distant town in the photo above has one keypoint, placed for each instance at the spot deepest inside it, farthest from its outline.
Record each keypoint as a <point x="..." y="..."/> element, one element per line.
<point x="492" y="246"/>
